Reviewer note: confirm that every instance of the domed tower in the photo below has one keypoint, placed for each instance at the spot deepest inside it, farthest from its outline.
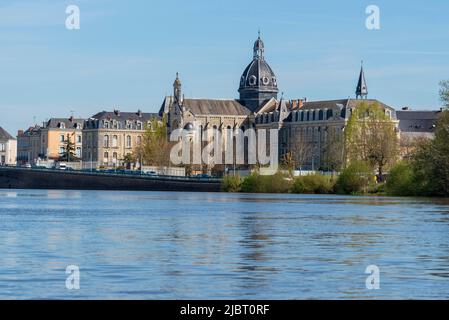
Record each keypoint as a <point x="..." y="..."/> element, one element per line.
<point x="258" y="82"/>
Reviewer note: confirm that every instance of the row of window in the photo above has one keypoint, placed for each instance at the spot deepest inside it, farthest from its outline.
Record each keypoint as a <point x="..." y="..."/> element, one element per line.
<point x="62" y="125"/>
<point x="309" y="115"/>
<point x="128" y="141"/>
<point x="63" y="138"/>
<point x="119" y="125"/>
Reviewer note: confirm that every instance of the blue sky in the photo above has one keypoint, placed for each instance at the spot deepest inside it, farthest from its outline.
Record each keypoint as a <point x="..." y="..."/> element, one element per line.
<point x="126" y="53"/>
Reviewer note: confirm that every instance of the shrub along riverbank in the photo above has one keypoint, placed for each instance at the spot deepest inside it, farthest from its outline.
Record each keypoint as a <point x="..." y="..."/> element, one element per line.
<point x="350" y="181"/>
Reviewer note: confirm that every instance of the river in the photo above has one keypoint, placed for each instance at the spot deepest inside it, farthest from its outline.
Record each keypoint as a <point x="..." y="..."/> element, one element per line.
<point x="162" y="245"/>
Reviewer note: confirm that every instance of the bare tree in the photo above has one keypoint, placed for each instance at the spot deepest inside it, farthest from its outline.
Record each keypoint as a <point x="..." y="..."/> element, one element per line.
<point x="300" y="150"/>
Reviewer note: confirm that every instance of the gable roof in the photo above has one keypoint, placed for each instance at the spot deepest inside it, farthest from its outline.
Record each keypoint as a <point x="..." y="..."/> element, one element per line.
<point x="4" y="135"/>
<point x="215" y="107"/>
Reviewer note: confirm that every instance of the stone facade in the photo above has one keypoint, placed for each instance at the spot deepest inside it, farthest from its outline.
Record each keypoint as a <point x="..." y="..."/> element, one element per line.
<point x="29" y="145"/>
<point x="54" y="135"/>
<point x="8" y="148"/>
<point x="109" y="136"/>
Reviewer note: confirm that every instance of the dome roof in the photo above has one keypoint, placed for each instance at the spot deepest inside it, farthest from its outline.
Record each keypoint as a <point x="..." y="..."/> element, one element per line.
<point x="258" y="74"/>
<point x="189" y="126"/>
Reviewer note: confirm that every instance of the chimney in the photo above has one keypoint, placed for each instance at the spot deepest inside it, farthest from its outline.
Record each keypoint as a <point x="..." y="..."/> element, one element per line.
<point x="139" y="113"/>
<point x="300" y="103"/>
<point x="71" y="119"/>
<point x="294" y="104"/>
<point x="405" y="109"/>
<point x="117" y="112"/>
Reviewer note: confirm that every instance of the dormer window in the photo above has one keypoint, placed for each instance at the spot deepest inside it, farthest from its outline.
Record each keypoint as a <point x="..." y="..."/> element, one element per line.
<point x="61" y="125"/>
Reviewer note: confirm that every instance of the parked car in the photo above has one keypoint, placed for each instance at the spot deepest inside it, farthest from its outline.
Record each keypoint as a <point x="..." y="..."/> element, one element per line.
<point x="61" y="166"/>
<point x="203" y="175"/>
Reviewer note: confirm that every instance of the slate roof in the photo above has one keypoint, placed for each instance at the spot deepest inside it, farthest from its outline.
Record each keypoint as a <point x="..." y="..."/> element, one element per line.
<point x="352" y="103"/>
<point x="417" y="121"/>
<point x="4" y="135"/>
<point x="69" y="123"/>
<point x="118" y="115"/>
<point x="215" y="107"/>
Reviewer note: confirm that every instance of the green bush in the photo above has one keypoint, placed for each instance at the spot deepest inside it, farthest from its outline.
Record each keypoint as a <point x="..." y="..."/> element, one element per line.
<point x="401" y="180"/>
<point x="355" y="179"/>
<point x="313" y="184"/>
<point x="231" y="183"/>
<point x="255" y="183"/>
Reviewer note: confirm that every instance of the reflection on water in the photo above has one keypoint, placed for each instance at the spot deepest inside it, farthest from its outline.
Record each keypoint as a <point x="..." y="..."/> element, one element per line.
<point x="158" y="245"/>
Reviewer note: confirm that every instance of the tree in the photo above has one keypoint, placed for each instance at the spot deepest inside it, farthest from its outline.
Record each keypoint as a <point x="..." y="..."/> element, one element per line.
<point x="68" y="154"/>
<point x="128" y="160"/>
<point x="288" y="163"/>
<point x="370" y="136"/>
<point x="431" y="160"/>
<point x="301" y="150"/>
<point x="333" y="149"/>
<point x="444" y="92"/>
<point x="155" y="146"/>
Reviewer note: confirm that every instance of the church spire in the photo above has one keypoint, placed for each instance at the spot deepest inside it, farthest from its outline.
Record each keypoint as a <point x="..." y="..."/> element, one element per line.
<point x="362" y="90"/>
<point x="177" y="89"/>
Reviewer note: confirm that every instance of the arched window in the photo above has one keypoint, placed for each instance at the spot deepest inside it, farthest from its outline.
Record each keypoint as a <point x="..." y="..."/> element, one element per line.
<point x="321" y="115"/>
<point x="329" y="114"/>
<point x="106" y="141"/>
<point x="139" y="140"/>
<point x="114" y="141"/>
<point x="128" y="142"/>
<point x="114" y="158"/>
<point x="106" y="157"/>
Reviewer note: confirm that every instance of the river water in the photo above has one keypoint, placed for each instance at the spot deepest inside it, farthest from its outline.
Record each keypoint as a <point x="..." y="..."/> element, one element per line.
<point x="162" y="245"/>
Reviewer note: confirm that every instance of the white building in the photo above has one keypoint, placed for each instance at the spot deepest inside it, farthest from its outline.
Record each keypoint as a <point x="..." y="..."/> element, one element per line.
<point x="8" y="148"/>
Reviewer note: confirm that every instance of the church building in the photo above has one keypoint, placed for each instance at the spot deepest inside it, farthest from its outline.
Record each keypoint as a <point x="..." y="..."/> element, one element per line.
<point x="304" y="126"/>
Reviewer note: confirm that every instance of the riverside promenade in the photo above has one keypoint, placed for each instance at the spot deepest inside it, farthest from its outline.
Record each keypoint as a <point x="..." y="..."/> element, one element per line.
<point x="26" y="178"/>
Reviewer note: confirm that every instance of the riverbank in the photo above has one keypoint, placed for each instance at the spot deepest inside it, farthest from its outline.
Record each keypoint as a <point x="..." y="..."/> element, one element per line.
<point x="25" y="178"/>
